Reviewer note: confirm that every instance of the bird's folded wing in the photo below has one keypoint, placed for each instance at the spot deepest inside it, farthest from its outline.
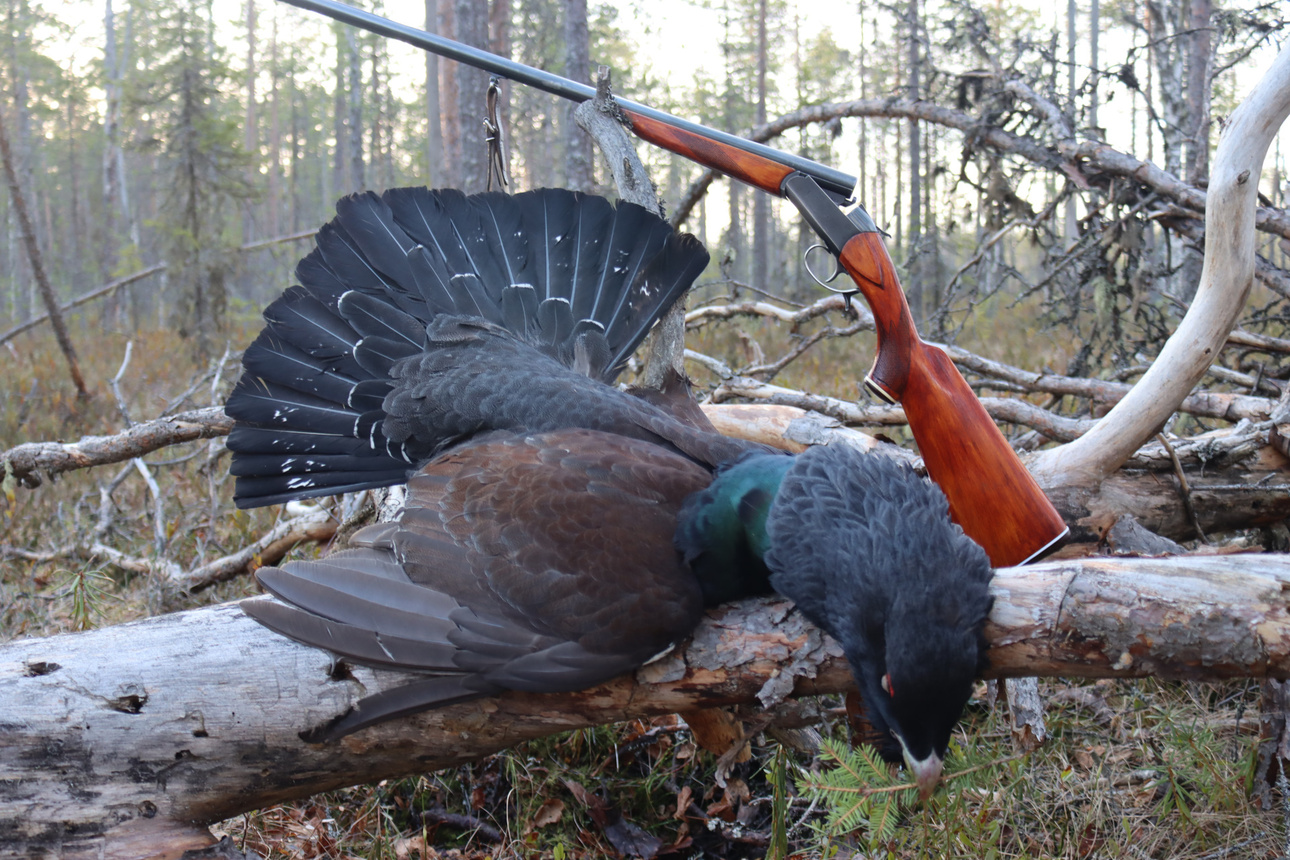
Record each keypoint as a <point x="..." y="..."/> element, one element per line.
<point x="571" y="531"/>
<point x="540" y="562"/>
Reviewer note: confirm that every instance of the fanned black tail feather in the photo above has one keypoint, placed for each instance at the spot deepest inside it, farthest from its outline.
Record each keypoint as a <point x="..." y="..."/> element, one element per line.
<point x="573" y="275"/>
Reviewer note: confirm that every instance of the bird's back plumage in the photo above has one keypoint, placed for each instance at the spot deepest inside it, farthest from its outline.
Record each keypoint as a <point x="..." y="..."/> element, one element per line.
<point x="499" y="576"/>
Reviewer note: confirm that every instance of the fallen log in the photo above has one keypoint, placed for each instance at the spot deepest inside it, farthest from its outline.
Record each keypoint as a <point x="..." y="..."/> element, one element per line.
<point x="127" y="741"/>
<point x="1235" y="479"/>
<point x="1228" y="500"/>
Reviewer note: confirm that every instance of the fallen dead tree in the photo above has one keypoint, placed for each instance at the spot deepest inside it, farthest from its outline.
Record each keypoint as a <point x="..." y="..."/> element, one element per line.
<point x="127" y="741"/>
<point x="33" y="463"/>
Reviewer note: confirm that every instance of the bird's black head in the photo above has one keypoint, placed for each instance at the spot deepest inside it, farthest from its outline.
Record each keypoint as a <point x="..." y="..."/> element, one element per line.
<point x="867" y="551"/>
<point x="924" y="679"/>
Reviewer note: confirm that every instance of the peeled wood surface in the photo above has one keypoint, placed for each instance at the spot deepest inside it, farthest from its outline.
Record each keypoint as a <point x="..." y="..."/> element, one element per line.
<point x="1201" y="617"/>
<point x="145" y="730"/>
<point x="789" y="428"/>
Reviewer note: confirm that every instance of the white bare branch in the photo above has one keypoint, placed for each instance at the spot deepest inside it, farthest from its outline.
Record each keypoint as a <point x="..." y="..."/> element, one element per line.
<point x="1224" y="285"/>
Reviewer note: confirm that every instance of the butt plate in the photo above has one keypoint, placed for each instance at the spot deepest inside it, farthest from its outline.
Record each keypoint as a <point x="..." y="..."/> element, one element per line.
<point x="876" y="388"/>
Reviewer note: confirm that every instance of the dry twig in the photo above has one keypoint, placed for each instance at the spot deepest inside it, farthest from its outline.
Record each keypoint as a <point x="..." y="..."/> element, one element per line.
<point x="33" y="462"/>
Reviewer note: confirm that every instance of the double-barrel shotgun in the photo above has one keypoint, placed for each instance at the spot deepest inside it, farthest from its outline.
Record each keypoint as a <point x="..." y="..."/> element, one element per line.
<point x="991" y="495"/>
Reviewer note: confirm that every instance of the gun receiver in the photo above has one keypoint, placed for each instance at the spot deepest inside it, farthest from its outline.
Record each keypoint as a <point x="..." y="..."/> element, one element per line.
<point x="991" y="495"/>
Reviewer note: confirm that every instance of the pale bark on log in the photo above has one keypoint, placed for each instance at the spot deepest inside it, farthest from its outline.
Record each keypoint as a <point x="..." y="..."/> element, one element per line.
<point x="125" y="741"/>
<point x="790" y="428"/>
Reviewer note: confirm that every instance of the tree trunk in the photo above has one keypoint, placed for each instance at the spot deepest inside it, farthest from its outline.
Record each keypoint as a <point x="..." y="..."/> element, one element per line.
<point x="579" y="157"/>
<point x="382" y="169"/>
<point x="1198" y="90"/>
<point x="434" y="122"/>
<point x="448" y="101"/>
<point x="26" y="288"/>
<point x="354" y="121"/>
<point x="297" y="150"/>
<point x="1072" y="109"/>
<point x="339" y="181"/>
<point x="76" y="216"/>
<point x="115" y="193"/>
<point x="250" y="129"/>
<point x="273" y="221"/>
<point x="28" y="232"/>
<point x="1094" y="26"/>
<point x="130" y="739"/>
<point x="915" y="282"/>
<point x="472" y="87"/>
<point x="735" y="264"/>
<point x="1197" y="137"/>
<point x="862" y="73"/>
<point x="898" y="192"/>
<point x="763" y="233"/>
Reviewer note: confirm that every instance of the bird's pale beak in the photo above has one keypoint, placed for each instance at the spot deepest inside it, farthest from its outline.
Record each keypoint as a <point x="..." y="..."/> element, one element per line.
<point x="927" y="772"/>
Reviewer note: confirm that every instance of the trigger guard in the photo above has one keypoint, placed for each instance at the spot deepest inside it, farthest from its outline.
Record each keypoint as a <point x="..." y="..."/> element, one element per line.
<point x="823" y="282"/>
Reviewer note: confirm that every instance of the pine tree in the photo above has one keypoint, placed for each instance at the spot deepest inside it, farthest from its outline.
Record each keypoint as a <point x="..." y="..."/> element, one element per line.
<point x="196" y="128"/>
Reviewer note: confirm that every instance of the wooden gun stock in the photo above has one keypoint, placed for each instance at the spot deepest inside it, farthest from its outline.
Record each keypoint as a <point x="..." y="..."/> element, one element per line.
<point x="991" y="494"/>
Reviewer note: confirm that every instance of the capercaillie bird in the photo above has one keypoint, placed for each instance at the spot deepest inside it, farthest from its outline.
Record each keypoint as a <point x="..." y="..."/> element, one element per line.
<point x="558" y="530"/>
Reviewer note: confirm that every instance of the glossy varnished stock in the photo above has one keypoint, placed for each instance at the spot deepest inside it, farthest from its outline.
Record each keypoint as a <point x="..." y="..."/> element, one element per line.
<point x="991" y="494"/>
